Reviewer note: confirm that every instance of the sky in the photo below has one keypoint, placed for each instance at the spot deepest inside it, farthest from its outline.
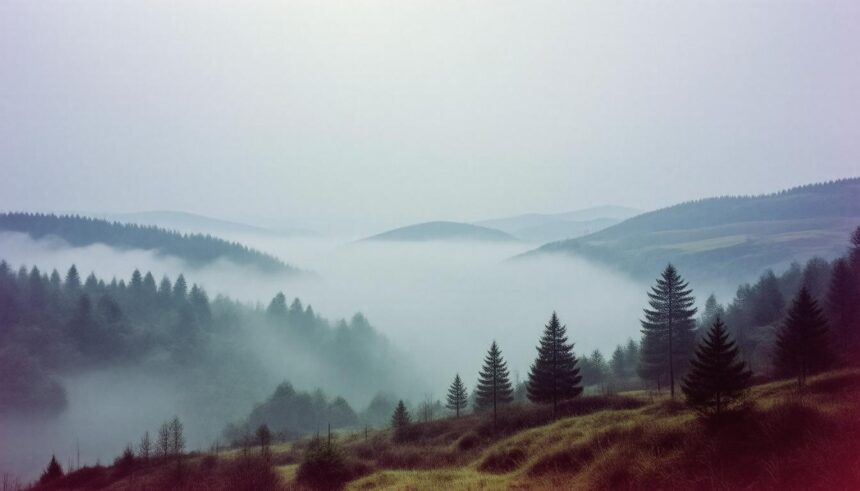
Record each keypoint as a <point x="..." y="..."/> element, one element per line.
<point x="363" y="115"/>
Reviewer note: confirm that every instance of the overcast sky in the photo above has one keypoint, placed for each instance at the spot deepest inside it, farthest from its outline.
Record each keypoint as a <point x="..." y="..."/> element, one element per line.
<point x="362" y="115"/>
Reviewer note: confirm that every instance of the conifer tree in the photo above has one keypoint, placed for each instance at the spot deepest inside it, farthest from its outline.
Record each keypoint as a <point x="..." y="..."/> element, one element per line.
<point x="668" y="330"/>
<point x="631" y="357"/>
<point x="401" y="417"/>
<point x="136" y="282"/>
<point x="494" y="382"/>
<point x="802" y="343"/>
<point x="717" y="378"/>
<point x="73" y="279"/>
<point x="844" y="306"/>
<point x="149" y="287"/>
<point x="616" y="364"/>
<point x="52" y="472"/>
<point x="457" y="396"/>
<point x="554" y="375"/>
<point x="594" y="369"/>
<point x="180" y="289"/>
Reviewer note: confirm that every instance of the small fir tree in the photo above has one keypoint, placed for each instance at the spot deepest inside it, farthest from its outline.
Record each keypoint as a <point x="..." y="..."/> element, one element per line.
<point x="802" y="343"/>
<point x="52" y="472"/>
<point x="843" y="304"/>
<point x="458" y="398"/>
<point x="554" y="376"/>
<point x="401" y="417"/>
<point x="494" y="382"/>
<point x="717" y="378"/>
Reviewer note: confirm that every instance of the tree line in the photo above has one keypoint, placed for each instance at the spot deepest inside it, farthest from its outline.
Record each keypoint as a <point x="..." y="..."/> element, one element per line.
<point x="52" y="324"/>
<point x="194" y="249"/>
<point x="704" y="356"/>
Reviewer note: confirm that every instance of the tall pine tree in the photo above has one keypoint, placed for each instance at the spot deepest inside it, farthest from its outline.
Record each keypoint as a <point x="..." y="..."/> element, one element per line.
<point x="457" y="396"/>
<point x="802" y="343"/>
<point x="668" y="330"/>
<point x="554" y="375"/>
<point x="717" y="378"/>
<point x="494" y="382"/>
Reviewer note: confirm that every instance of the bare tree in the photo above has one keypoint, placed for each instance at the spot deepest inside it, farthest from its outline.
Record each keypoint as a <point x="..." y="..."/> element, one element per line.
<point x="264" y="438"/>
<point x="163" y="445"/>
<point x="144" y="449"/>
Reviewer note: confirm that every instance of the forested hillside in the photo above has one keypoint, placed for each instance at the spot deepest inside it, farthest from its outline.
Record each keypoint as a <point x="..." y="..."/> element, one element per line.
<point x="728" y="238"/>
<point x="54" y="326"/>
<point x="194" y="249"/>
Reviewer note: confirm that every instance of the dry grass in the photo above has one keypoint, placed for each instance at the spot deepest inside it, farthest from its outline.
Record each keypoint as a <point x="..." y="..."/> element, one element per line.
<point x="782" y="439"/>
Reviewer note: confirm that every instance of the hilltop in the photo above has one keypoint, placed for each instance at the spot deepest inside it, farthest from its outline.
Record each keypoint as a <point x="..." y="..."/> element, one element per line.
<point x="547" y="227"/>
<point x="430" y="231"/>
<point x="728" y="238"/>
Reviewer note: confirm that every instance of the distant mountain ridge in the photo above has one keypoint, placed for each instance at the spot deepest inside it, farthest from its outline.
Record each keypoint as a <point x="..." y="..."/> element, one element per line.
<point x="441" y="230"/>
<point x="186" y="222"/>
<point x="194" y="249"/>
<point x="728" y="237"/>
<point x="550" y="227"/>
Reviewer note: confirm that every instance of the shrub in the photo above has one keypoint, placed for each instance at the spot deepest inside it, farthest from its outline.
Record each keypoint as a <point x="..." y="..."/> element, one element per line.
<point x="503" y="460"/>
<point x="468" y="441"/>
<point x="324" y="467"/>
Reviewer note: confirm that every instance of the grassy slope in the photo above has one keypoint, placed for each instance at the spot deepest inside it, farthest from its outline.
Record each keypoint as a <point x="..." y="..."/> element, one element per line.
<point x="783" y="440"/>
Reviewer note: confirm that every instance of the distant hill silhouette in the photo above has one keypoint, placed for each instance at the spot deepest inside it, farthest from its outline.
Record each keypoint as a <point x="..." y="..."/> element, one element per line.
<point x="194" y="249"/>
<point x="185" y="222"/>
<point x="732" y="237"/>
<point x="443" y="231"/>
<point x="549" y="227"/>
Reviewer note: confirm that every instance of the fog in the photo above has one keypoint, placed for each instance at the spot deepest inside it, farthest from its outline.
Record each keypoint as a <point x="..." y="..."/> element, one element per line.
<point x="349" y="114"/>
<point x="440" y="303"/>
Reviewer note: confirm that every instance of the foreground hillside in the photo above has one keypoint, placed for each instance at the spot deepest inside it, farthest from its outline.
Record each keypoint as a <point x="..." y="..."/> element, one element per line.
<point x="730" y="237"/>
<point x="783" y="440"/>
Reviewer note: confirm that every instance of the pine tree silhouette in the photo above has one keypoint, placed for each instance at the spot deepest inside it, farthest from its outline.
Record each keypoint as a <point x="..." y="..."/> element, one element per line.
<point x="668" y="331"/>
<point x="717" y="378"/>
<point x="554" y="375"/>
<point x="802" y="343"/>
<point x="843" y="306"/>
<point x="401" y="417"/>
<point x="52" y="472"/>
<point x="457" y="396"/>
<point x="494" y="384"/>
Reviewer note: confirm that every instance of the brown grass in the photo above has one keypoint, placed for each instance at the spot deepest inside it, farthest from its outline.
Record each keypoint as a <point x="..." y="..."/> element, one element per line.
<point x="781" y="439"/>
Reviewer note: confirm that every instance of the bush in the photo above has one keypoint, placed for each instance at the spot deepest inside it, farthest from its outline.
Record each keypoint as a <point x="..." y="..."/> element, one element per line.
<point x="251" y="474"/>
<point x="468" y="441"/>
<point x="503" y="460"/>
<point x="324" y="467"/>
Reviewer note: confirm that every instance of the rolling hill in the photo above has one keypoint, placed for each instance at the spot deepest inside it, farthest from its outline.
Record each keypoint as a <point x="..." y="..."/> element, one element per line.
<point x="194" y="249"/>
<point x="430" y="231"/>
<point x="727" y="238"/>
<point x="193" y="223"/>
<point x="538" y="227"/>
